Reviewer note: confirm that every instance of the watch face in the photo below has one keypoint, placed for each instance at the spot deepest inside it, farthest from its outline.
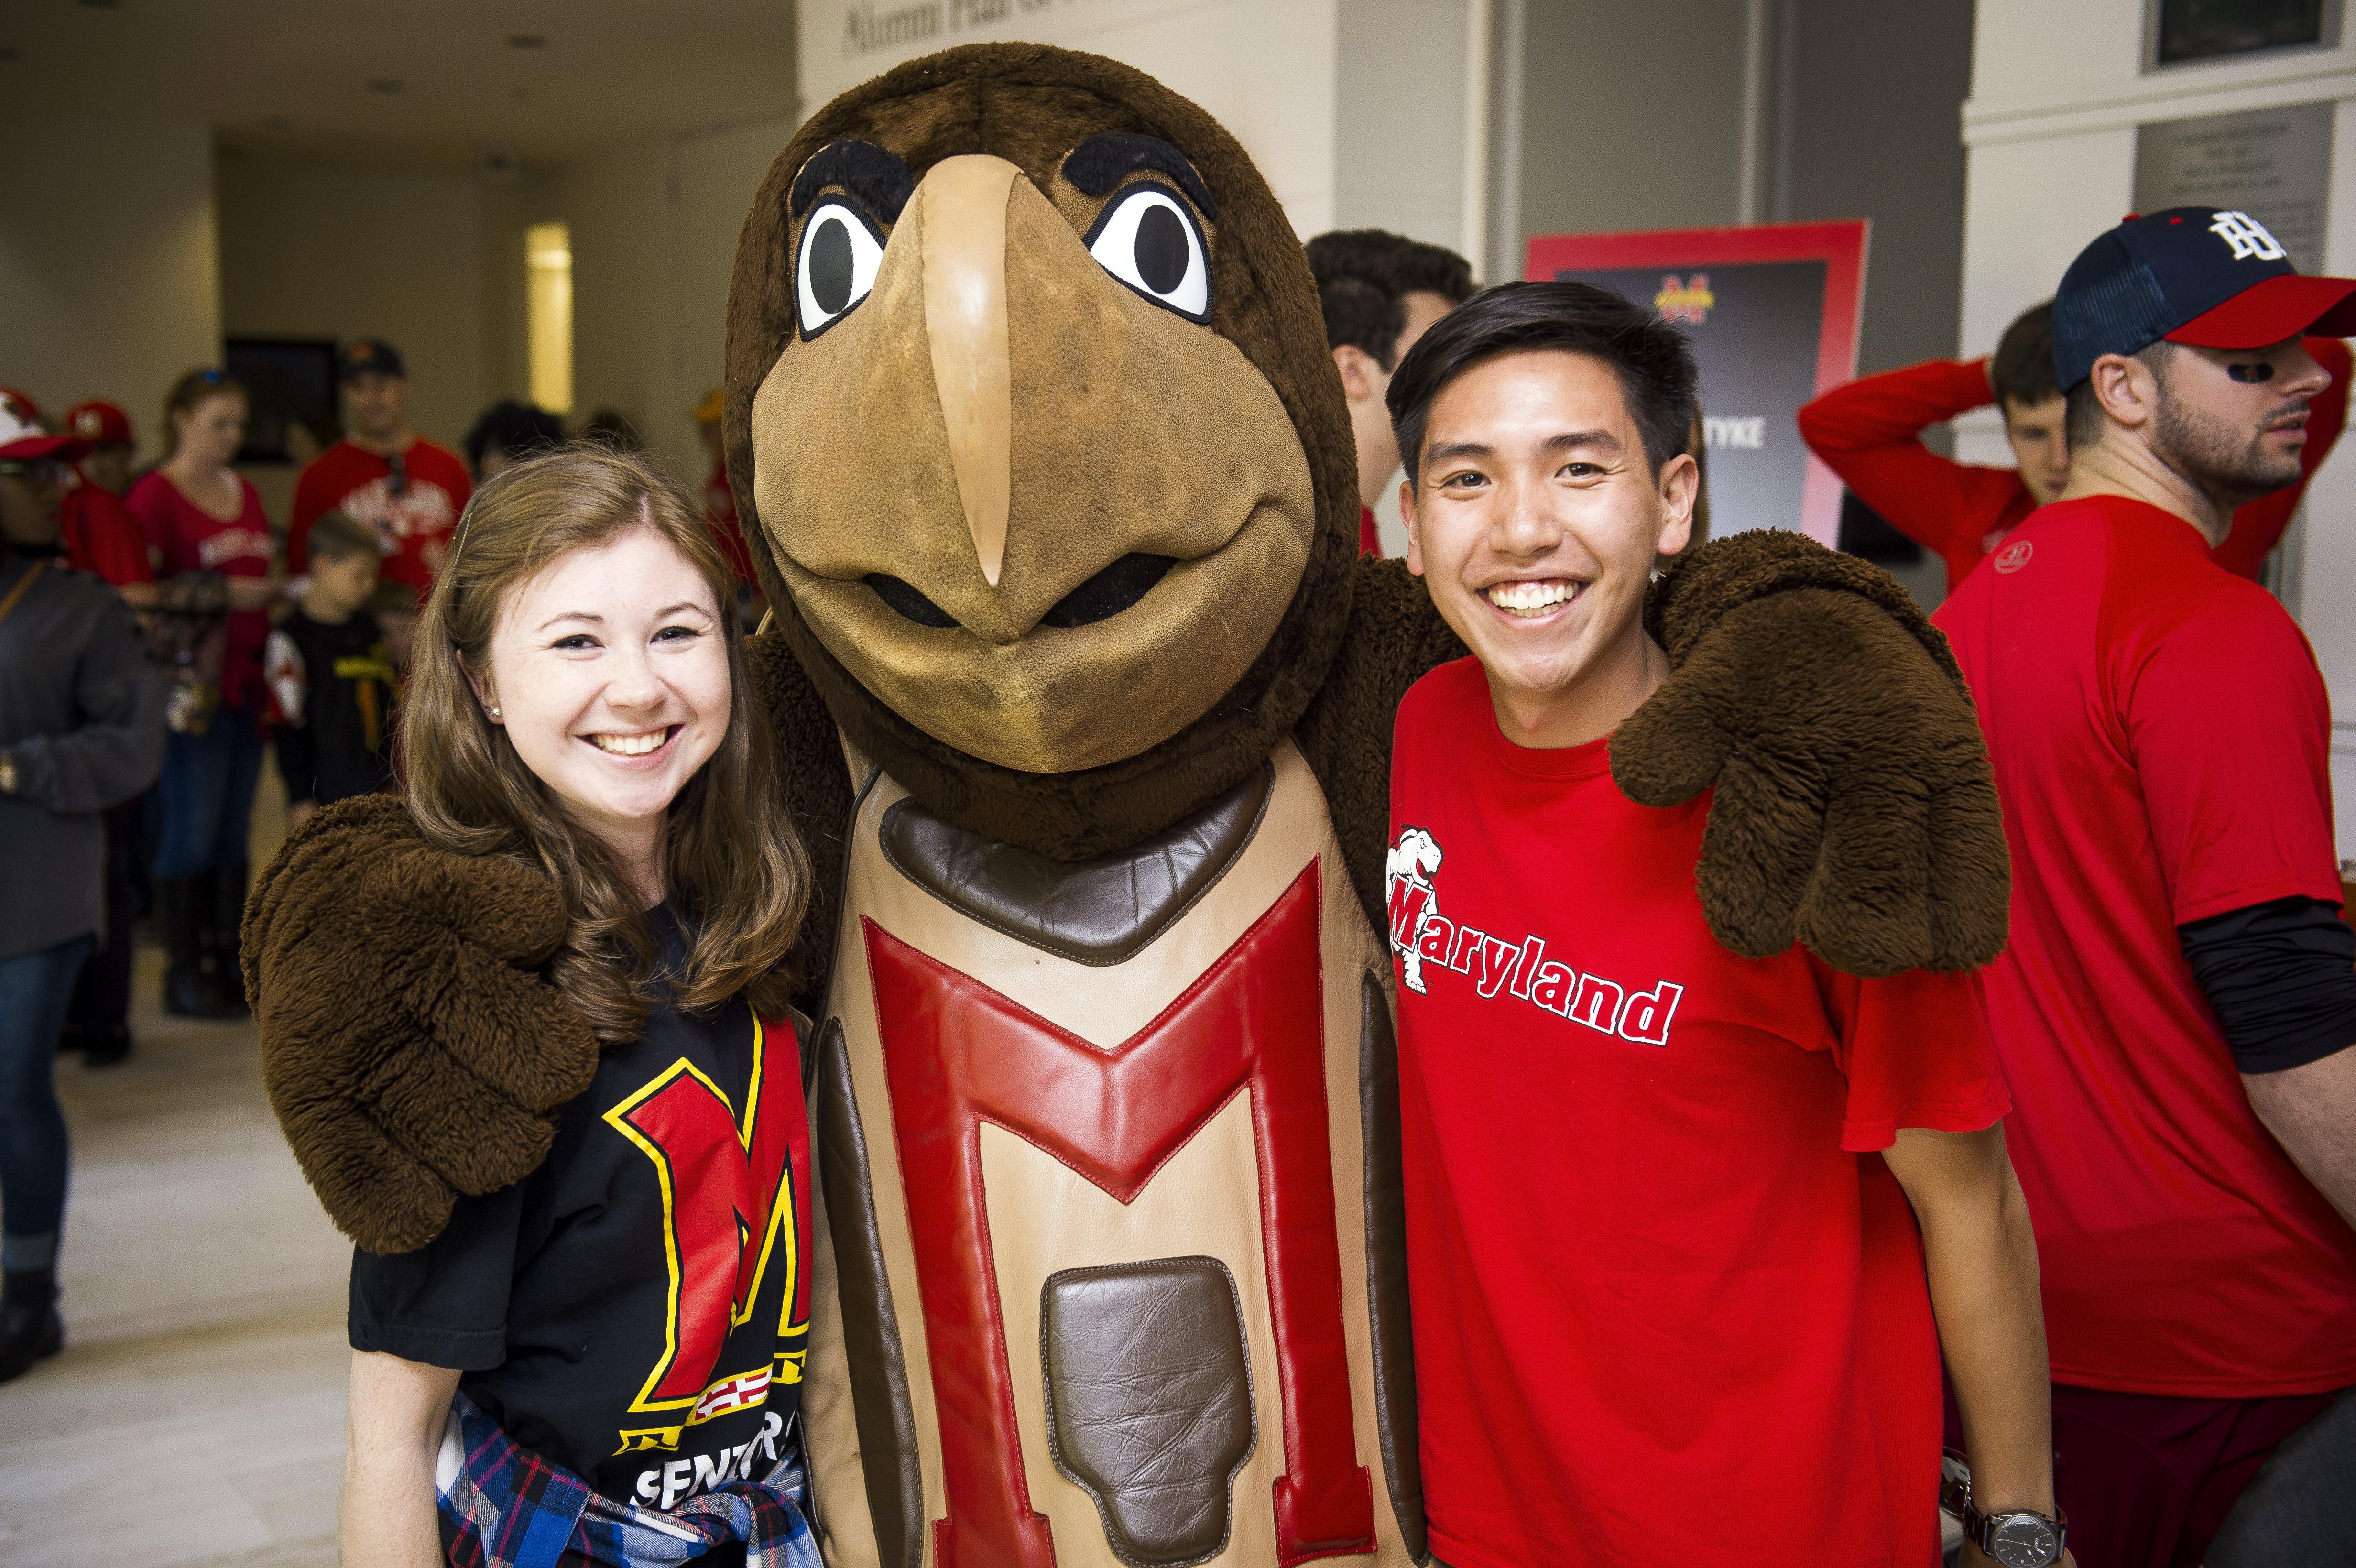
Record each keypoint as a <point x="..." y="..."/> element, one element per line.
<point x="2023" y="1540"/>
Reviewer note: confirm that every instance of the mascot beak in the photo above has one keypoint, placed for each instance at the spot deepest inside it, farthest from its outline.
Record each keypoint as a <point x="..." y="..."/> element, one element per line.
<point x="965" y="202"/>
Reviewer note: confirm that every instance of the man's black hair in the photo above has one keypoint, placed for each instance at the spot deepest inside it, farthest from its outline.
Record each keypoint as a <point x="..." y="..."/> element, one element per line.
<point x="1364" y="276"/>
<point x="2022" y="370"/>
<point x="1653" y="360"/>
<point x="519" y="430"/>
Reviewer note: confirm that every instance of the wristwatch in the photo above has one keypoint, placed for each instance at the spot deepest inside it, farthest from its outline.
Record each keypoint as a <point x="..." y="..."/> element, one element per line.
<point x="2017" y="1538"/>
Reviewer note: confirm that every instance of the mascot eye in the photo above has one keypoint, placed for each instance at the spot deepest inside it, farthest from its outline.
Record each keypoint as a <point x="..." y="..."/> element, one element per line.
<point x="1147" y="238"/>
<point x="841" y="250"/>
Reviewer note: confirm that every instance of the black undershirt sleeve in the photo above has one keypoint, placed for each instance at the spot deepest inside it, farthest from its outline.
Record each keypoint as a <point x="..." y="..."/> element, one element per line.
<point x="2282" y="978"/>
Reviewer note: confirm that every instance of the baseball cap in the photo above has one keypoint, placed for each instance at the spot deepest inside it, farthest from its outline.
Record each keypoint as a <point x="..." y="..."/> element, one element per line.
<point x="22" y="439"/>
<point x="2191" y="274"/>
<point x="99" y="423"/>
<point x="370" y="357"/>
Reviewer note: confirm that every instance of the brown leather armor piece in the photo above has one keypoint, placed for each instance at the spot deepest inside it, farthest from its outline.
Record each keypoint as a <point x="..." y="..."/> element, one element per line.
<point x="1098" y="912"/>
<point x="1149" y="1401"/>
<point x="1386" y="1292"/>
<point x="878" y="1369"/>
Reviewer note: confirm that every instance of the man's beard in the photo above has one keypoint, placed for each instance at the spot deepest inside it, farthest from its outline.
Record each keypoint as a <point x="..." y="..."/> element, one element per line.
<point x="2229" y="465"/>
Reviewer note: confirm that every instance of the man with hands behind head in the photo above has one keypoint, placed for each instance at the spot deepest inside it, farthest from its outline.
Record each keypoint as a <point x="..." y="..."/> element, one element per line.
<point x="1688" y="1321"/>
<point x="2175" y="1008"/>
<point x="1870" y="434"/>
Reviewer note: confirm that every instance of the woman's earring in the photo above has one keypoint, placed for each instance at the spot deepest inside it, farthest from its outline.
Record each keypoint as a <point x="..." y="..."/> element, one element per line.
<point x="494" y="710"/>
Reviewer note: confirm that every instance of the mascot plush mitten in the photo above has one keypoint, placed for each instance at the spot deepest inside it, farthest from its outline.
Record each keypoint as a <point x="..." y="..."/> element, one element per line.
<point x="1084" y="702"/>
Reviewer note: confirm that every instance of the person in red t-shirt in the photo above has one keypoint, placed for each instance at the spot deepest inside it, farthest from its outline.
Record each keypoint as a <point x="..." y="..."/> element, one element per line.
<point x="382" y="473"/>
<point x="1670" y="1301"/>
<point x="2177" y="1004"/>
<point x="212" y="544"/>
<point x="99" y="536"/>
<point x="1380" y="292"/>
<point x="1870" y="434"/>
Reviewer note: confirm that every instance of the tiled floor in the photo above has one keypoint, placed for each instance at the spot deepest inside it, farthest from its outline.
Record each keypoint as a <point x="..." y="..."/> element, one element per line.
<point x="197" y="1414"/>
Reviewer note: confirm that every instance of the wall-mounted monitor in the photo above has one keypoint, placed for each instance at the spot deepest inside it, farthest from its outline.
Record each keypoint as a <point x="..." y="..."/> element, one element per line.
<point x="2190" y="32"/>
<point x="291" y="385"/>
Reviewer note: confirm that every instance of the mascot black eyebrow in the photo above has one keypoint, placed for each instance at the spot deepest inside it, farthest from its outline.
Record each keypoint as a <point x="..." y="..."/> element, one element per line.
<point x="1085" y="703"/>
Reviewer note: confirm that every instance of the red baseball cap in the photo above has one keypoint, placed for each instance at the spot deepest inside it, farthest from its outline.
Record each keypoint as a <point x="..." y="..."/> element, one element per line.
<point x="22" y="439"/>
<point x="99" y="423"/>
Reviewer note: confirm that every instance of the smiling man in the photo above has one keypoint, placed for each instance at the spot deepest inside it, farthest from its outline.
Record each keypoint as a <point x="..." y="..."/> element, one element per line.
<point x="1670" y="1304"/>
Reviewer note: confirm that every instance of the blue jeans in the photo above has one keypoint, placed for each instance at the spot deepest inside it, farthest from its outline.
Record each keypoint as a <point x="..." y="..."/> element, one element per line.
<point x="207" y="795"/>
<point x="35" y="988"/>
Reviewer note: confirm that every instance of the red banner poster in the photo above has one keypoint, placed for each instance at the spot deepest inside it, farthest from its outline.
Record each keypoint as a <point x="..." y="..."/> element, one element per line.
<point x="1772" y="311"/>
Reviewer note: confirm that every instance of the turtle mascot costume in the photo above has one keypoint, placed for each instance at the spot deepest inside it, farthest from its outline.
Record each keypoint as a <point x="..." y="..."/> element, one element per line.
<point x="1084" y="702"/>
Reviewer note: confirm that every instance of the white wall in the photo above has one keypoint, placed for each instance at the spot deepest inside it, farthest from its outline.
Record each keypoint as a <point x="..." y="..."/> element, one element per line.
<point x="1353" y="110"/>
<point x="654" y="238"/>
<point x="109" y="268"/>
<point x="328" y="251"/>
<point x="2057" y="93"/>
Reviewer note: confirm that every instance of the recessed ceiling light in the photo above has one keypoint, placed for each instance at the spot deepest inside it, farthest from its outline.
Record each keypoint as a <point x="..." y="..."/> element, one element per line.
<point x="385" y="84"/>
<point x="526" y="41"/>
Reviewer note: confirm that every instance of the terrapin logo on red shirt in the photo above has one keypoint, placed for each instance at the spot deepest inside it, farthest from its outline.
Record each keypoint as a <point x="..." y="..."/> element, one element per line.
<point x="2014" y="556"/>
<point x="1420" y="934"/>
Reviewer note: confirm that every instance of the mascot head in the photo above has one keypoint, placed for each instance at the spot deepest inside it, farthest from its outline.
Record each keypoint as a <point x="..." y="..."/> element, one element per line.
<point x="1029" y="398"/>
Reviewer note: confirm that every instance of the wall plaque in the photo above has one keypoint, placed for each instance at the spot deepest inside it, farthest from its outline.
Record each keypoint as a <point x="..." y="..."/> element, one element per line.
<point x="2273" y="163"/>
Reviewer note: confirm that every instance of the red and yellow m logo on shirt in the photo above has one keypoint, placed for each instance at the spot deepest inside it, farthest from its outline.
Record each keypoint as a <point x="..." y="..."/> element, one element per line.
<point x="735" y="1183"/>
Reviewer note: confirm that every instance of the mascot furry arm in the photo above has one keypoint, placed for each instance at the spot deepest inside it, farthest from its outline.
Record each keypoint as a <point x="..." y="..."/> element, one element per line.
<point x="1854" y="810"/>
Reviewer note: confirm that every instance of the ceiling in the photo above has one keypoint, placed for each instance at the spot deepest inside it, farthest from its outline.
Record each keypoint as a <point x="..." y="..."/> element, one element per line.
<point x="411" y="82"/>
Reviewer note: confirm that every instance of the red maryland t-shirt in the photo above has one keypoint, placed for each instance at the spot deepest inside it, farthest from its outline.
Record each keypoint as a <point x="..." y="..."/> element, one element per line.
<point x="101" y="536"/>
<point x="187" y="538"/>
<point x="1870" y="434"/>
<point x="413" y="526"/>
<point x="2161" y="740"/>
<point x="1668" y="1303"/>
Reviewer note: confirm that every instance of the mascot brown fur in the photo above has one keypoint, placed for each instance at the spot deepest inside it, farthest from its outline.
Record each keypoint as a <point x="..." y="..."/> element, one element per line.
<point x="1084" y="703"/>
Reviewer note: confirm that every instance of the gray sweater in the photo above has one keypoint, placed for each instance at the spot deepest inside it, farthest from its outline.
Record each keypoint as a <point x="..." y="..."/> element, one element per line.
<point x="81" y="716"/>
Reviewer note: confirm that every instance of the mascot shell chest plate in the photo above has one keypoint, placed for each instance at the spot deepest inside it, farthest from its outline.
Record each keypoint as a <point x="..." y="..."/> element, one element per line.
<point x="1107" y="1150"/>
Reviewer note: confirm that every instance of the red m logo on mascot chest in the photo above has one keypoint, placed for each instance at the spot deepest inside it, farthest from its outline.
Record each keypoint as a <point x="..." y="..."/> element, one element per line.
<point x="958" y="1053"/>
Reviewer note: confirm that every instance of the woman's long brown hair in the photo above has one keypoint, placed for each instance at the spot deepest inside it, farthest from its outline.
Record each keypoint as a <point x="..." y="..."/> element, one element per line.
<point x="734" y="869"/>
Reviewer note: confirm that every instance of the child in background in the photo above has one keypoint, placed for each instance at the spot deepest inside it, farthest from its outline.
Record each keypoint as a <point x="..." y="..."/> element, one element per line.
<point x="331" y="677"/>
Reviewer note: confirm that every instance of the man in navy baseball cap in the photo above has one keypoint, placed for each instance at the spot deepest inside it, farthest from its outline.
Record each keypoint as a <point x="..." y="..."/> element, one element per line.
<point x="2194" y="275"/>
<point x="2176" y="1010"/>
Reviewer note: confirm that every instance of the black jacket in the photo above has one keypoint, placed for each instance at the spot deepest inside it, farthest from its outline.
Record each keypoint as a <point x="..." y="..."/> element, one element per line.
<point x="81" y="718"/>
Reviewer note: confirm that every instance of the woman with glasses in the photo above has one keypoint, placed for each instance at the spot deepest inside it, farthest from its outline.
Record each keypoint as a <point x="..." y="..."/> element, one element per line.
<point x="82" y="729"/>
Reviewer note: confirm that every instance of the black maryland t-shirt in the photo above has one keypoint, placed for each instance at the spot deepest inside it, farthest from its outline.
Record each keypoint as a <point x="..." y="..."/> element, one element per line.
<point x="636" y="1309"/>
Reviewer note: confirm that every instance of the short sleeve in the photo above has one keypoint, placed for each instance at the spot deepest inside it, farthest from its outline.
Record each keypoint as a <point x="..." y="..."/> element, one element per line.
<point x="444" y="1305"/>
<point x="2231" y="731"/>
<point x="1915" y="1050"/>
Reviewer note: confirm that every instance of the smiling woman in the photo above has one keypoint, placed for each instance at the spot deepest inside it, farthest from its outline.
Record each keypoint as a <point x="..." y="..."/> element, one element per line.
<point x="571" y="705"/>
<point x="573" y="713"/>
